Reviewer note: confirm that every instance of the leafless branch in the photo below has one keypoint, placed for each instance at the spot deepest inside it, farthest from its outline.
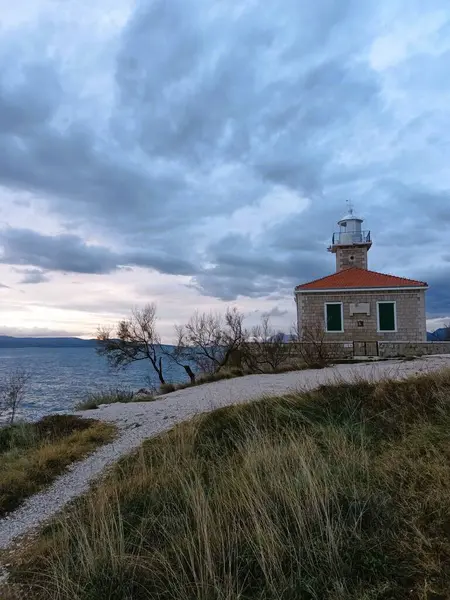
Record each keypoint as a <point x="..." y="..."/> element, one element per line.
<point x="266" y="349"/>
<point x="135" y="339"/>
<point x="312" y="345"/>
<point x="12" y="392"/>
<point x="208" y="340"/>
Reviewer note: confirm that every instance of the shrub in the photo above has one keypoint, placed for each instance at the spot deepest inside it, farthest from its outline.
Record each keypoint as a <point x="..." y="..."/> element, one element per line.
<point x="166" y="388"/>
<point x="19" y="435"/>
<point x="55" y="427"/>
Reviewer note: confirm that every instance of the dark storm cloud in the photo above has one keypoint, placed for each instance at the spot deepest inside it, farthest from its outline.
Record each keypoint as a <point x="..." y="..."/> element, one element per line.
<point x="55" y="253"/>
<point x="191" y="96"/>
<point x="18" y="115"/>
<point x="438" y="294"/>
<point x="32" y="276"/>
<point x="213" y="106"/>
<point x="66" y="252"/>
<point x="244" y="268"/>
<point x="214" y="93"/>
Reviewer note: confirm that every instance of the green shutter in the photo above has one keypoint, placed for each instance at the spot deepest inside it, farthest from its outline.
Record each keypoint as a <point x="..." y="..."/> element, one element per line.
<point x="387" y="316"/>
<point x="334" y="317"/>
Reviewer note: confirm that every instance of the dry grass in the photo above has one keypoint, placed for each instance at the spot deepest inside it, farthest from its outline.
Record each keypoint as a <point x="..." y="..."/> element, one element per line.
<point x="338" y="494"/>
<point x="33" y="454"/>
<point x="226" y="373"/>
<point x="109" y="396"/>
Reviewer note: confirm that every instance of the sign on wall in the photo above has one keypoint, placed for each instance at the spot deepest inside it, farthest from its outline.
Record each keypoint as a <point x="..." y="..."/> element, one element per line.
<point x="360" y="308"/>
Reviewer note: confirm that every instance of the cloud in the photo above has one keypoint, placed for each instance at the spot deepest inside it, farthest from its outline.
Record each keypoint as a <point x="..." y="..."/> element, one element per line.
<point x="32" y="276"/>
<point x="182" y="117"/>
<point x="438" y="323"/>
<point x="238" y="267"/>
<point x="438" y="296"/>
<point x="218" y="143"/>
<point x="275" y="312"/>
<point x="69" y="253"/>
<point x="64" y="252"/>
<point x="17" y="115"/>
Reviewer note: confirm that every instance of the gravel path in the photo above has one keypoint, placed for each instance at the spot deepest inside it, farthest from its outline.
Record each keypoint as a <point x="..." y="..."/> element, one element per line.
<point x="141" y="420"/>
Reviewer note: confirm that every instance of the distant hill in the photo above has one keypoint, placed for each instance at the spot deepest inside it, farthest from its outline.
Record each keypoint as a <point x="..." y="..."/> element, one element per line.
<point x="440" y="335"/>
<point x="7" y="341"/>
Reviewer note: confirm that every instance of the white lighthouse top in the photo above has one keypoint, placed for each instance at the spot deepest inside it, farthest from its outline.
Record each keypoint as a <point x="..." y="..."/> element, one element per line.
<point x="350" y="216"/>
<point x="350" y="231"/>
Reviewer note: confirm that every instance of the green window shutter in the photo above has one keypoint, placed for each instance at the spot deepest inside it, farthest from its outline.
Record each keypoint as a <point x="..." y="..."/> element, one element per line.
<point x="334" y="317"/>
<point x="387" y="316"/>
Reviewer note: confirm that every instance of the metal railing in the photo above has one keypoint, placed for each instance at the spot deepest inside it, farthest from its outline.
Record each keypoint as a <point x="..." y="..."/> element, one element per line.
<point x="347" y="237"/>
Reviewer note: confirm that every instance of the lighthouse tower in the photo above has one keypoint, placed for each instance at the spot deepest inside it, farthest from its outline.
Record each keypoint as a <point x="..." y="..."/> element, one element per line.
<point x="351" y="243"/>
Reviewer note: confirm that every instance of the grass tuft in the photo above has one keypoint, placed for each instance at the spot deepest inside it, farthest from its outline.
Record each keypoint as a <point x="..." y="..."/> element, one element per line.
<point x="167" y="388"/>
<point x="108" y="396"/>
<point x="342" y="493"/>
<point x="34" y="454"/>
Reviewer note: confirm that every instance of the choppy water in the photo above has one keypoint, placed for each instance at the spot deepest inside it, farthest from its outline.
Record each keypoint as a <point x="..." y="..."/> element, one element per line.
<point x="61" y="377"/>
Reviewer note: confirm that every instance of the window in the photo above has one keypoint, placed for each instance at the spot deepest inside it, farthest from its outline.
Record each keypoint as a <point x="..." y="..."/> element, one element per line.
<point x="334" y="317"/>
<point x="387" y="316"/>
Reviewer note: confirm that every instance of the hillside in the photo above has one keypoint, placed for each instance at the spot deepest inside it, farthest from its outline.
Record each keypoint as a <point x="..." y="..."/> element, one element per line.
<point x="338" y="493"/>
<point x="439" y="335"/>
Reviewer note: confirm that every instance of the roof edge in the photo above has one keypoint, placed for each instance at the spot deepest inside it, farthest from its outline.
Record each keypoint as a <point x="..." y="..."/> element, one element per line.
<point x="413" y="282"/>
<point x="299" y="290"/>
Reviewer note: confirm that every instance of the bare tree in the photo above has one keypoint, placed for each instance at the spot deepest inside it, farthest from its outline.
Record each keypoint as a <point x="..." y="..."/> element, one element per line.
<point x="12" y="392"/>
<point x="266" y="348"/>
<point x="312" y="345"/>
<point x="209" y="340"/>
<point x="180" y="354"/>
<point x="135" y="339"/>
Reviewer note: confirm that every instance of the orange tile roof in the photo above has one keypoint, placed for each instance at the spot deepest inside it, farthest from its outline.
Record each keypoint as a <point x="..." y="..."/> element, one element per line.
<point x="359" y="278"/>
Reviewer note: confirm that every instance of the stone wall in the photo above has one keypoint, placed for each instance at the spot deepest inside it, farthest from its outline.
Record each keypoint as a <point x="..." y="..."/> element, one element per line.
<point x="393" y="349"/>
<point x="333" y="350"/>
<point x="340" y="350"/>
<point x="411" y="322"/>
<point x="351" y="256"/>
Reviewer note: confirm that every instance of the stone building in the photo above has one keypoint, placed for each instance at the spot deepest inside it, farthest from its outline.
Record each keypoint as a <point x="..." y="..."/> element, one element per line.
<point x="357" y="305"/>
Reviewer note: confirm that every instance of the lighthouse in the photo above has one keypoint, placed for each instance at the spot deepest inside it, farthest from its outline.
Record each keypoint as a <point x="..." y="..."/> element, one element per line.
<point x="358" y="309"/>
<point x="351" y="243"/>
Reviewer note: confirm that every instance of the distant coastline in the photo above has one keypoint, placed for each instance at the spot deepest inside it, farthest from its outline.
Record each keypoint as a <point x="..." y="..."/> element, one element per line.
<point x="7" y="341"/>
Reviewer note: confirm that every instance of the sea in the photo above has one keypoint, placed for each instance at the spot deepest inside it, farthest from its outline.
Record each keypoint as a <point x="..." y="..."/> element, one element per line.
<point x="62" y="377"/>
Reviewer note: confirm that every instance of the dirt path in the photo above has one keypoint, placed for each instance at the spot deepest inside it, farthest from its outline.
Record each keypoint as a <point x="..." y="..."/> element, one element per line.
<point x="141" y="420"/>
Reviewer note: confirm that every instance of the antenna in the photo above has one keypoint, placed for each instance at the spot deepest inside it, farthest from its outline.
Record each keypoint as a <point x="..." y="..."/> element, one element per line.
<point x="350" y="207"/>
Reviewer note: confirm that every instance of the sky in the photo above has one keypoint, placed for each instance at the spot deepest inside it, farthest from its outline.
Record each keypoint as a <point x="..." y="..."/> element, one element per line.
<point x="198" y="153"/>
